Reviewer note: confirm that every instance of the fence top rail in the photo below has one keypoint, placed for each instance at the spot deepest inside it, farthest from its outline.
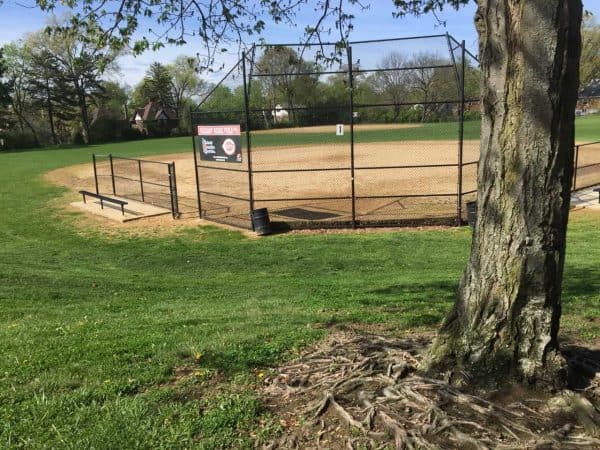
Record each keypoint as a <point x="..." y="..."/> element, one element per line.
<point x="466" y="50"/>
<point x="330" y="108"/>
<point x="588" y="143"/>
<point x="137" y="180"/>
<point x="368" y="41"/>
<point x="400" y="69"/>
<point x="142" y="160"/>
<point x="334" y="72"/>
<point x="305" y="73"/>
<point x="216" y="86"/>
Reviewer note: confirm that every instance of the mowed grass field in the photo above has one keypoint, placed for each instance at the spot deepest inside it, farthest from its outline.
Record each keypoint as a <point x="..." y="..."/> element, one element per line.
<point x="124" y="340"/>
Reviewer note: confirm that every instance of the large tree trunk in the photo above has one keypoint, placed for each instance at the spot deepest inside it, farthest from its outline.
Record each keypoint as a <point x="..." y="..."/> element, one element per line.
<point x="505" y="321"/>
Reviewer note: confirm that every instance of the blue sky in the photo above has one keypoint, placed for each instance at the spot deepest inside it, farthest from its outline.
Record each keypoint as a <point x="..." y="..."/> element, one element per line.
<point x="377" y="22"/>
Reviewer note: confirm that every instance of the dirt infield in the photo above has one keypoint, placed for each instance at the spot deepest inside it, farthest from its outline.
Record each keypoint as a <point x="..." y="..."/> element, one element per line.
<point x="371" y="179"/>
<point x="438" y="183"/>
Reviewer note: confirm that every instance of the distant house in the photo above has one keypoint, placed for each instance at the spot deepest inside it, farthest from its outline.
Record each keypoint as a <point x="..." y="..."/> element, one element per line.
<point x="280" y="115"/>
<point x="154" y="118"/>
<point x="589" y="98"/>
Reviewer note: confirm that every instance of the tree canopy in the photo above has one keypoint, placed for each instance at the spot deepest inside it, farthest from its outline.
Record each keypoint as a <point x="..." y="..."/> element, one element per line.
<point x="590" y="51"/>
<point x="4" y="84"/>
<point x="215" y="23"/>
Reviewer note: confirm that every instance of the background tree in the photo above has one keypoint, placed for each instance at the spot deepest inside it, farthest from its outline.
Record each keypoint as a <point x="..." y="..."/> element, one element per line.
<point x="393" y="85"/>
<point x="113" y="101"/>
<point x="4" y="84"/>
<point x="21" y="103"/>
<point x="157" y="86"/>
<point x="77" y="67"/>
<point x="42" y="84"/>
<point x="5" y="91"/>
<point x="590" y="51"/>
<point x="185" y="82"/>
<point x="427" y="80"/>
<point x="284" y="78"/>
<point x="221" y="100"/>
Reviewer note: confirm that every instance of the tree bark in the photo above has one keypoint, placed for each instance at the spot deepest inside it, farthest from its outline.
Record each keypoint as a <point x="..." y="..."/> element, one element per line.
<point x="505" y="321"/>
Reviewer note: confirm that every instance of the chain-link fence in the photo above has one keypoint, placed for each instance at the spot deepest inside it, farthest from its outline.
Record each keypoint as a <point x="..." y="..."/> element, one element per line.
<point x="587" y="165"/>
<point x="153" y="182"/>
<point x="371" y="133"/>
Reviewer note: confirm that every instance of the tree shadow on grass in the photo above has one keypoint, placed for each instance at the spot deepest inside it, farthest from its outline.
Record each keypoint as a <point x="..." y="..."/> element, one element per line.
<point x="416" y="304"/>
<point x="447" y="288"/>
<point x="581" y="281"/>
<point x="584" y="365"/>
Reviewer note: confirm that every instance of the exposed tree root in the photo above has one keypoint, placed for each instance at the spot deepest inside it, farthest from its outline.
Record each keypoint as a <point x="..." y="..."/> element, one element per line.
<point x="363" y="392"/>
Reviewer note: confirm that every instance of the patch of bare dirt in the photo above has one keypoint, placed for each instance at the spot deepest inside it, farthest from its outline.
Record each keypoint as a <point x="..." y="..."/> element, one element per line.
<point x="81" y="177"/>
<point x="362" y="391"/>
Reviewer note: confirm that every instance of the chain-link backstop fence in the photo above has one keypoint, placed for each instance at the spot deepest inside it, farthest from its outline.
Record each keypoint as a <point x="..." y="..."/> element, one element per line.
<point x="370" y="133"/>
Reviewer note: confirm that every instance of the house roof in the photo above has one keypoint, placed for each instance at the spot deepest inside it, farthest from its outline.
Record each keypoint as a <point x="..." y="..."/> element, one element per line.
<point x="153" y="111"/>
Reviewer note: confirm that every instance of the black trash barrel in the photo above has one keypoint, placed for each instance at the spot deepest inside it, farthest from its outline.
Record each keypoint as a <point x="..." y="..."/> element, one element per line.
<point x="261" y="221"/>
<point x="472" y="213"/>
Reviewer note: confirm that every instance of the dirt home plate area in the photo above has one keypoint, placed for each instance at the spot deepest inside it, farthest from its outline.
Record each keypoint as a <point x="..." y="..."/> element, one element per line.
<point x="415" y="183"/>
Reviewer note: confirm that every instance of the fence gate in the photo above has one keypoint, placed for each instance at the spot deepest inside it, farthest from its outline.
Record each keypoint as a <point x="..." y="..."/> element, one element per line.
<point x="153" y="182"/>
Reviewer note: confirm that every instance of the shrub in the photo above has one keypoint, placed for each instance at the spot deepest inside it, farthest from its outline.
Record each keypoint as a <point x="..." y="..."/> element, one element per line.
<point x="17" y="140"/>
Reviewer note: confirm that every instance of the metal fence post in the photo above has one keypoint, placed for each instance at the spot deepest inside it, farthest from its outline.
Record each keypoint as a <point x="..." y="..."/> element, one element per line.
<point x="196" y="163"/>
<point x="461" y="135"/>
<point x="112" y="174"/>
<point x="460" y="85"/>
<point x="173" y="190"/>
<point x="95" y="173"/>
<point x="351" y="86"/>
<point x="248" y="138"/>
<point x="576" y="165"/>
<point x="141" y="180"/>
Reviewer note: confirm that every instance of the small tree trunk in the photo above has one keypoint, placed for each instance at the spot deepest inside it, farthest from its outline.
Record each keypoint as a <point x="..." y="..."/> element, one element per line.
<point x="50" y="113"/>
<point x="505" y="321"/>
<point x="85" y="120"/>
<point x="32" y="129"/>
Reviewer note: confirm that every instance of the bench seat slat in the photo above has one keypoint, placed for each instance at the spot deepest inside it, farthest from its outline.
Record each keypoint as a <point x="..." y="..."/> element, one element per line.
<point x="102" y="198"/>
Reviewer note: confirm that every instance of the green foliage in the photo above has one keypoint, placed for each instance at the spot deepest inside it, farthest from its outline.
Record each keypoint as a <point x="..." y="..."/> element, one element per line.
<point x="285" y="88"/>
<point x="55" y="76"/>
<point x="590" y="52"/>
<point x="113" y="100"/>
<point x="4" y="85"/>
<point x="185" y="84"/>
<point x="16" y="73"/>
<point x="223" y="99"/>
<point x="157" y="86"/>
<point x="16" y="140"/>
<point x="215" y="23"/>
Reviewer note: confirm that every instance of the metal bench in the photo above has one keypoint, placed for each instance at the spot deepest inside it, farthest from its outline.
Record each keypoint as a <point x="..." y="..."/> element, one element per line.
<point x="598" y="191"/>
<point x="104" y="198"/>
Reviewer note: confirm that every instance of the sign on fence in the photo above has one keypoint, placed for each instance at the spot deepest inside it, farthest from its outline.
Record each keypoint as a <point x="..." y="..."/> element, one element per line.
<point x="220" y="143"/>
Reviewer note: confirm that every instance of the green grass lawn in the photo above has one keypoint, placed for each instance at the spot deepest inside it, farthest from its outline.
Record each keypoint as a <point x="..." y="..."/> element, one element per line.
<point x="121" y="341"/>
<point x="429" y="132"/>
<point x="588" y="128"/>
